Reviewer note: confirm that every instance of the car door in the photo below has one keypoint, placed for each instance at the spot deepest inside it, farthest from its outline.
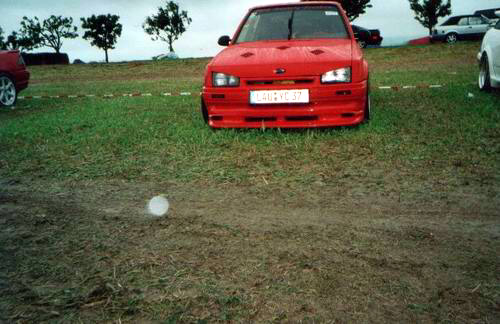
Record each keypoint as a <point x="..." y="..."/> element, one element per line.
<point x="495" y="48"/>
<point x="463" y="27"/>
<point x="478" y="26"/>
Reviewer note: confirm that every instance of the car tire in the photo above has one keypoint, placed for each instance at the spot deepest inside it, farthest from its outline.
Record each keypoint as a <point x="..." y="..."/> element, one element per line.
<point x="367" y="113"/>
<point x="8" y="91"/>
<point x="484" y="74"/>
<point x="451" y="38"/>
<point x="368" y="109"/>
<point x="204" y="111"/>
<point x="362" y="44"/>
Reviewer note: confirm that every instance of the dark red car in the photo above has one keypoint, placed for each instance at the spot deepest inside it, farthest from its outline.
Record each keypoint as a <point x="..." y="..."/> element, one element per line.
<point x="288" y="65"/>
<point x="13" y="77"/>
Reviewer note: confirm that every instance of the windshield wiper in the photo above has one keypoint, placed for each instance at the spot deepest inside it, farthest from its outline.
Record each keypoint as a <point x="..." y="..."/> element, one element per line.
<point x="290" y="25"/>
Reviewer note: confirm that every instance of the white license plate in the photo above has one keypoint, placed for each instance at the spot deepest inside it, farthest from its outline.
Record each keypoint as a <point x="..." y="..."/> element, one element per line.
<point x="279" y="96"/>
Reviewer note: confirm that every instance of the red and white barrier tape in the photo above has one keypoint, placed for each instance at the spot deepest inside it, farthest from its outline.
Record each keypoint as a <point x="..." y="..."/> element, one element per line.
<point x="167" y="94"/>
<point x="193" y="94"/>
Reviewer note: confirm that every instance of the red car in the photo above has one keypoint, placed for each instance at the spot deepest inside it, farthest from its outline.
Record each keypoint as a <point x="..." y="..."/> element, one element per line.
<point x="13" y="77"/>
<point x="288" y="65"/>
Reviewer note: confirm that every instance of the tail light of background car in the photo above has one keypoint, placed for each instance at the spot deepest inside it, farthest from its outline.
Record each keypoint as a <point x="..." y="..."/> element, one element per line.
<point x="20" y="61"/>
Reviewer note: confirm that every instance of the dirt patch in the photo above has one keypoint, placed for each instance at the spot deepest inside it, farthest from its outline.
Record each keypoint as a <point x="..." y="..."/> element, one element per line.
<point x="88" y="251"/>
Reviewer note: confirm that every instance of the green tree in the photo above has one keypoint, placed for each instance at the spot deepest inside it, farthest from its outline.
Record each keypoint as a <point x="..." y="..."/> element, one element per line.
<point x="102" y="31"/>
<point x="427" y="12"/>
<point x="16" y="42"/>
<point x="50" y="32"/>
<point x="355" y="8"/>
<point x="168" y="24"/>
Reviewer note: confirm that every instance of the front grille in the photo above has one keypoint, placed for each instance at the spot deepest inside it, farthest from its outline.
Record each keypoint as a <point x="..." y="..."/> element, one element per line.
<point x="260" y="119"/>
<point x="278" y="82"/>
<point x="301" y="118"/>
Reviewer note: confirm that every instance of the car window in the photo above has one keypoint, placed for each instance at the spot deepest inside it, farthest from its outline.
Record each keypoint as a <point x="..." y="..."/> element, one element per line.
<point x="463" y="22"/>
<point x="266" y="25"/>
<point x="293" y="23"/>
<point x="450" y="22"/>
<point x="475" y="21"/>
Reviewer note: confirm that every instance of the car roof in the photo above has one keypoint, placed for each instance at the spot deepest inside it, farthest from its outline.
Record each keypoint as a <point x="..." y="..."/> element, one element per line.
<point x="487" y="10"/>
<point x="465" y="16"/>
<point x="298" y="4"/>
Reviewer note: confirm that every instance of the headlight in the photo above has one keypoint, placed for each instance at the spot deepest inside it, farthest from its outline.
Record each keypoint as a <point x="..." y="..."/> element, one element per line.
<point x="337" y="76"/>
<point x="224" y="80"/>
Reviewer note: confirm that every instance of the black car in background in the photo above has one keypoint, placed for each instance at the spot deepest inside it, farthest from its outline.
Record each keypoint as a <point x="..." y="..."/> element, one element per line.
<point x="367" y="37"/>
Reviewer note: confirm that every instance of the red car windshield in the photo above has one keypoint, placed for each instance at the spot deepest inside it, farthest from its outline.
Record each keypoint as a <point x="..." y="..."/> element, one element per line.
<point x="313" y="22"/>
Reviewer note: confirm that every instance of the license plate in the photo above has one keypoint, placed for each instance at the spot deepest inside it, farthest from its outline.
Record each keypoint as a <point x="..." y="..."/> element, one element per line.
<point x="262" y="97"/>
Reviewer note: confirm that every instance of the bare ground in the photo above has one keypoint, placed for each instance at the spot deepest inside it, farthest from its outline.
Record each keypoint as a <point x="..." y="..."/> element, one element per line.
<point x="88" y="251"/>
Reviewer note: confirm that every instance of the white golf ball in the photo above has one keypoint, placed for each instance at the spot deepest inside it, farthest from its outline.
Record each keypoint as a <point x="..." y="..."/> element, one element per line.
<point x="158" y="206"/>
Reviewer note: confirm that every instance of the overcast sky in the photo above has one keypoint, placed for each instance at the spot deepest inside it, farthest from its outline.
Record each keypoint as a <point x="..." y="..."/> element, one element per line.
<point x="211" y="19"/>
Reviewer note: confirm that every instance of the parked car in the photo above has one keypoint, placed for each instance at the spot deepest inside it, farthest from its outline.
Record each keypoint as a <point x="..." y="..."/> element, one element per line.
<point x="490" y="14"/>
<point x="13" y="77"/>
<point x="288" y="65"/>
<point x="489" y="59"/>
<point x="376" y="38"/>
<point x="367" y="37"/>
<point x="461" y="28"/>
<point x="169" y="56"/>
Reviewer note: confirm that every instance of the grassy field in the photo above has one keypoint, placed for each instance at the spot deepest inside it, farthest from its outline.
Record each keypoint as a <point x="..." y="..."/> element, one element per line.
<point x="394" y="221"/>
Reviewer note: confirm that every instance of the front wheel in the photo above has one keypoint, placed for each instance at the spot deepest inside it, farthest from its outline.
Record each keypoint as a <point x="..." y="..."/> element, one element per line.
<point x="367" y="113"/>
<point x="204" y="111"/>
<point x="484" y="74"/>
<point x="452" y="38"/>
<point x="8" y="91"/>
<point x="368" y="109"/>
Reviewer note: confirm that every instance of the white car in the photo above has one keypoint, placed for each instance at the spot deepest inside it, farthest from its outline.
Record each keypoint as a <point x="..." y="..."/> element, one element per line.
<point x="169" y="56"/>
<point x="461" y="28"/>
<point x="489" y="59"/>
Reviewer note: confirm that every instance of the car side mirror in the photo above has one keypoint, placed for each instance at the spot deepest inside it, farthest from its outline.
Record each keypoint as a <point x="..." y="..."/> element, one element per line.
<point x="224" y="41"/>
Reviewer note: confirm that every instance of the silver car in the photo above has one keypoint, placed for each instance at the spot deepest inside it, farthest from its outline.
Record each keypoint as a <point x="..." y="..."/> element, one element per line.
<point x="461" y="28"/>
<point x="489" y="59"/>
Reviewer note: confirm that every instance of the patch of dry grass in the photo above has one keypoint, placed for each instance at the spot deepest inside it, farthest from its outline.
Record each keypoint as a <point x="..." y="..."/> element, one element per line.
<point x="234" y="255"/>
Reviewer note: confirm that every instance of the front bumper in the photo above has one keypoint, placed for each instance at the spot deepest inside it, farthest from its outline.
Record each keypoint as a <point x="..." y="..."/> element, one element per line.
<point x="22" y="79"/>
<point x="330" y="105"/>
<point x="438" y="37"/>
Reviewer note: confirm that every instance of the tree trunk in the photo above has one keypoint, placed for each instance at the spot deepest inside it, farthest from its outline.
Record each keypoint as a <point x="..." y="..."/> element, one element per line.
<point x="170" y="42"/>
<point x="106" y="51"/>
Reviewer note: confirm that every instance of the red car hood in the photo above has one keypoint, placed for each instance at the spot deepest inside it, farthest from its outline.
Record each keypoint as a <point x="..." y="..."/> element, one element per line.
<point x="298" y="58"/>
